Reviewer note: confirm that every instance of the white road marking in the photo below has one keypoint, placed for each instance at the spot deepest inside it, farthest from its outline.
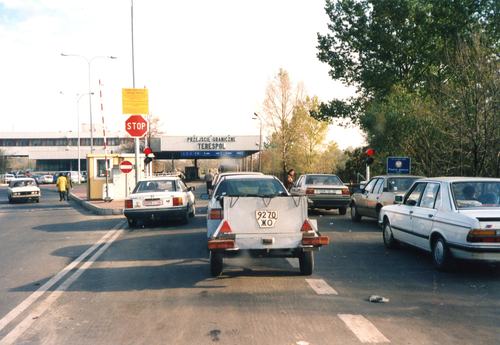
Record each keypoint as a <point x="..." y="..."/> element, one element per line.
<point x="294" y="262"/>
<point x="321" y="287"/>
<point x="364" y="330"/>
<point x="302" y="342"/>
<point x="13" y="335"/>
<point x="45" y="287"/>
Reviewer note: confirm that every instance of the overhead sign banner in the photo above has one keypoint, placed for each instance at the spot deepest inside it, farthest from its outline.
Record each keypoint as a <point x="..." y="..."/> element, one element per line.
<point x="398" y="165"/>
<point x="135" y="101"/>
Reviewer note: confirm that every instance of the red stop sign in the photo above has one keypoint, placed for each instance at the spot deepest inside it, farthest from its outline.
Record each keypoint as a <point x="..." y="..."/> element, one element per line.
<point x="136" y="126"/>
<point x="126" y="167"/>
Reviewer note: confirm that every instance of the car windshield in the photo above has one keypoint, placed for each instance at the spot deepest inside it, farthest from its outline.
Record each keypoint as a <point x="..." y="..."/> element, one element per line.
<point x="23" y="183"/>
<point x="155" y="186"/>
<point x="251" y="187"/>
<point x="325" y="180"/>
<point x="472" y="194"/>
<point x="400" y="184"/>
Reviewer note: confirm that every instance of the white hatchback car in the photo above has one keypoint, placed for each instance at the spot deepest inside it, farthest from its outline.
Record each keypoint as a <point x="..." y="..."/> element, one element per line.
<point x="160" y="198"/>
<point x="23" y="189"/>
<point x="451" y="217"/>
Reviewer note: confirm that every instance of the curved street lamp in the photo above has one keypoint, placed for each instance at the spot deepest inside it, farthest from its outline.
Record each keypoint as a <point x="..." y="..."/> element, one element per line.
<point x="79" y="97"/>
<point x="89" y="93"/>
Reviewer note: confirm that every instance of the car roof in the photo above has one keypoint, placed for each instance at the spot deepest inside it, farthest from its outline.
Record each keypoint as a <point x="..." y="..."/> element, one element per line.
<point x="160" y="178"/>
<point x="461" y="179"/>
<point x="397" y="176"/>
<point x="251" y="176"/>
<point x="240" y="173"/>
<point x="319" y="175"/>
<point x="23" y="179"/>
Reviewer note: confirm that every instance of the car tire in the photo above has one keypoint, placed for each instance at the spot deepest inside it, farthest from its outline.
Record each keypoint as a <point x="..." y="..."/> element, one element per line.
<point x="193" y="212"/>
<point x="132" y="223"/>
<point x="37" y="200"/>
<point x="441" y="255"/>
<point x="342" y="211"/>
<point x="185" y="218"/>
<point x="306" y="263"/>
<point x="355" y="216"/>
<point x="389" y="241"/>
<point x="216" y="263"/>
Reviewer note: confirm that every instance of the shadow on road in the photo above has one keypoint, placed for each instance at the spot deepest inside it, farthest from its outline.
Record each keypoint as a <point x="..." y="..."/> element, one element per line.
<point x="101" y="224"/>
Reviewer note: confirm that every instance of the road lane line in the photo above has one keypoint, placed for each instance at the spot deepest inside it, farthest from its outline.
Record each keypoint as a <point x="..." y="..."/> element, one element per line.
<point x="294" y="262"/>
<point x="38" y="311"/>
<point x="321" y="287"/>
<point x="45" y="287"/>
<point x="363" y="329"/>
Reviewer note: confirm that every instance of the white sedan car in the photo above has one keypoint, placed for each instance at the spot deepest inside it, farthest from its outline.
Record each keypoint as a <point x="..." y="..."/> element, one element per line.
<point x="451" y="217"/>
<point x="160" y="198"/>
<point x="23" y="189"/>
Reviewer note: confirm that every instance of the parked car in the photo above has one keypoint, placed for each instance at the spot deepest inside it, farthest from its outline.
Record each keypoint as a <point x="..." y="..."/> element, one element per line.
<point x="378" y="192"/>
<point x="160" y="198"/>
<point x="6" y="178"/>
<point x="451" y="217"/>
<point x="46" y="179"/>
<point x="23" y="189"/>
<point x="324" y="191"/>
<point x="256" y="214"/>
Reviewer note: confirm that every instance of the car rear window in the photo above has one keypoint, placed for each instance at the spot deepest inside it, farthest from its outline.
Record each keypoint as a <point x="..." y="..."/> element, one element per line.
<point x="23" y="183"/>
<point x="155" y="186"/>
<point x="472" y="194"/>
<point x="400" y="184"/>
<point x="325" y="180"/>
<point x="251" y="187"/>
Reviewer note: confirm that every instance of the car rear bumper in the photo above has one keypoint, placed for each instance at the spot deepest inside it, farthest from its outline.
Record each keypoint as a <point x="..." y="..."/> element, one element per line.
<point x="475" y="253"/>
<point x="139" y="213"/>
<point x="328" y="201"/>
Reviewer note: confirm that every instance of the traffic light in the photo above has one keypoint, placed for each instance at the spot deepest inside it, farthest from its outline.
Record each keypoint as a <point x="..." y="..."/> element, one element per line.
<point x="369" y="156"/>
<point x="149" y="156"/>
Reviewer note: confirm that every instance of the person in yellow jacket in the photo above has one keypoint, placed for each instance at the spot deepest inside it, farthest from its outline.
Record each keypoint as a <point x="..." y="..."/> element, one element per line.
<point x="61" y="184"/>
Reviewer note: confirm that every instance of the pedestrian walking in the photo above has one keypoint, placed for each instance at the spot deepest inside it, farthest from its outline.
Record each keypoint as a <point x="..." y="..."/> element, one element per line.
<point x="62" y="184"/>
<point x="290" y="178"/>
<point x="209" y="179"/>
<point x="69" y="184"/>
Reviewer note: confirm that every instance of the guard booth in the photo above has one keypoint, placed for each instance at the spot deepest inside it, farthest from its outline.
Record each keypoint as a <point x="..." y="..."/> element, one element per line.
<point x="119" y="184"/>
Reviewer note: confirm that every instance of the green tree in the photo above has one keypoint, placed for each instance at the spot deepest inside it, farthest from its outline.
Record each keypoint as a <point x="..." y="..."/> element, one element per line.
<point x="331" y="160"/>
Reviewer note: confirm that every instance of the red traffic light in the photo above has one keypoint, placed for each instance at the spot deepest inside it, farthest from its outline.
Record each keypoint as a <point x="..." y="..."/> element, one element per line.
<point x="370" y="152"/>
<point x="148" y="151"/>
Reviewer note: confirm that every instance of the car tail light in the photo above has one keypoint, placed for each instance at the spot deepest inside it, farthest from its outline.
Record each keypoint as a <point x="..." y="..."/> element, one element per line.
<point x="306" y="226"/>
<point x="484" y="236"/>
<point x="215" y="213"/>
<point x="345" y="191"/>
<point x="177" y="201"/>
<point x="316" y="241"/>
<point x="129" y="203"/>
<point x="310" y="191"/>
<point x="220" y="244"/>
<point x="225" y="228"/>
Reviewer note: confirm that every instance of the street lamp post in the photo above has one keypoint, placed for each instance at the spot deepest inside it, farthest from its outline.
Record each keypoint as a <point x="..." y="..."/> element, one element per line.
<point x="89" y="93"/>
<point x="260" y="139"/>
<point x="79" y="97"/>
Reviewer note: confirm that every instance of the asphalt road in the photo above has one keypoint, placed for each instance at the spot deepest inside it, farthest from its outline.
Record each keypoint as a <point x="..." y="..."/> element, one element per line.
<point x="152" y="286"/>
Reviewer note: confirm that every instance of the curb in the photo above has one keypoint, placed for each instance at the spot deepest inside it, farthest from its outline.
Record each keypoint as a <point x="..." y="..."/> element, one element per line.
<point x="94" y="209"/>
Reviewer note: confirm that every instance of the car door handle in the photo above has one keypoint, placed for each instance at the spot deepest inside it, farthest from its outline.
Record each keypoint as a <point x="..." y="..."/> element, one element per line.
<point x="411" y="212"/>
<point x="430" y="215"/>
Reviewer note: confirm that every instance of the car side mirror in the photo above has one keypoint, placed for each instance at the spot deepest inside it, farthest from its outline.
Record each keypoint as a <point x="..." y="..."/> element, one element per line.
<point x="204" y="196"/>
<point x="411" y="202"/>
<point x="191" y="189"/>
<point x="398" y="199"/>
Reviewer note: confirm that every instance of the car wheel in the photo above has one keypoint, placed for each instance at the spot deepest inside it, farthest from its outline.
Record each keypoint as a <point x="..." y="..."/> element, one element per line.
<point x="132" y="223"/>
<point x="441" y="256"/>
<point x="355" y="216"/>
<point x="306" y="263"/>
<point x="37" y="200"/>
<point x="216" y="263"/>
<point x="342" y="211"/>
<point x="389" y="240"/>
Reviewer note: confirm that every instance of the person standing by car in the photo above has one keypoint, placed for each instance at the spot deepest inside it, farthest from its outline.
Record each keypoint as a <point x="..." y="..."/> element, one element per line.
<point x="209" y="179"/>
<point x="62" y="184"/>
<point x="290" y="178"/>
<point x="69" y="184"/>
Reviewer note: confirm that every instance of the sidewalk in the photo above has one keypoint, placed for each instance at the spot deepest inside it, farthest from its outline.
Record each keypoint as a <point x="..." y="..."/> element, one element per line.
<point x="115" y="207"/>
<point x="79" y="194"/>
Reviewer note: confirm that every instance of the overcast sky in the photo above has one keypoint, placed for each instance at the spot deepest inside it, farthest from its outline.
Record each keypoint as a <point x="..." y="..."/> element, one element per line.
<point x="206" y="63"/>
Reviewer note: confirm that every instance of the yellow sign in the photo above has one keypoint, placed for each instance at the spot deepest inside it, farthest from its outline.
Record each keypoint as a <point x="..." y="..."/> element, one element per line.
<point x="135" y="101"/>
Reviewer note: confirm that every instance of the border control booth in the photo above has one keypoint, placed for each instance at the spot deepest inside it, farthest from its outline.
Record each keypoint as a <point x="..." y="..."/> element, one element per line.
<point x="196" y="147"/>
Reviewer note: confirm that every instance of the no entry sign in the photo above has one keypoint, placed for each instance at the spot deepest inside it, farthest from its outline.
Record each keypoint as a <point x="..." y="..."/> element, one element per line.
<point x="126" y="167"/>
<point x="136" y="126"/>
